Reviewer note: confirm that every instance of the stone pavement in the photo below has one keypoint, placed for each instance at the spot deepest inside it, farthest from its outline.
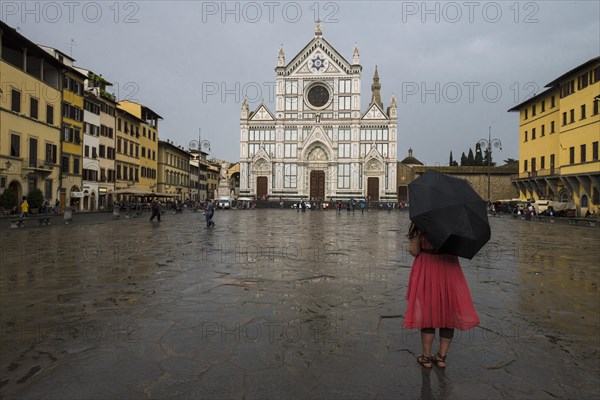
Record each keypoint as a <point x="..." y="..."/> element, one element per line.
<point x="275" y="304"/>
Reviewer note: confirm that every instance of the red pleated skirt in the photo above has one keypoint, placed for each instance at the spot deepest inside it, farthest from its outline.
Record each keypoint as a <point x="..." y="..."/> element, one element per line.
<point x="438" y="295"/>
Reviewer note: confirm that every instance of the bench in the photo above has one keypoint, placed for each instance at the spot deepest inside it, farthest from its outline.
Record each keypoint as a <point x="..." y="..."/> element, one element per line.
<point x="43" y="221"/>
<point x="17" y="223"/>
<point x="587" y="221"/>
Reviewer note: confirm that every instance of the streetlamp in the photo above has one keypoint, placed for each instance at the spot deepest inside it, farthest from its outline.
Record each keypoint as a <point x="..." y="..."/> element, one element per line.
<point x="489" y="143"/>
<point x="198" y="144"/>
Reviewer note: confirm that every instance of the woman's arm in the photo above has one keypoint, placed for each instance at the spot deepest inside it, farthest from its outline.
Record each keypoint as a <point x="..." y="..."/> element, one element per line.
<point x="414" y="246"/>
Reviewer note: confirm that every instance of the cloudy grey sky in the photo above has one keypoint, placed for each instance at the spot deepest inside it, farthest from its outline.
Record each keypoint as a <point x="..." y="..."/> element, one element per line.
<point x="454" y="67"/>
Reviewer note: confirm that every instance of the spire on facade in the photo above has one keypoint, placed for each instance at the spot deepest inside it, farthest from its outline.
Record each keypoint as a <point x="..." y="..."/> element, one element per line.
<point x="355" y="56"/>
<point x="281" y="57"/>
<point x="376" y="90"/>
<point x="318" y="29"/>
<point x="245" y="109"/>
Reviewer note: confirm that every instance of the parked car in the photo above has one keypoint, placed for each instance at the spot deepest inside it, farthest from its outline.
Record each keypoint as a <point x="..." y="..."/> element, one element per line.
<point x="307" y="204"/>
<point x="224" y="203"/>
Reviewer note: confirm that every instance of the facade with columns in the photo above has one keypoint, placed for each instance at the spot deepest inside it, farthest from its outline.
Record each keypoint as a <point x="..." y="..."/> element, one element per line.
<point x="318" y="143"/>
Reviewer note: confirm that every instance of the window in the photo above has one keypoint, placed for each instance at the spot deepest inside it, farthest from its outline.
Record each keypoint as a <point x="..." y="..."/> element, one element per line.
<point x="119" y="124"/>
<point x="571" y="155"/>
<point x="526" y="133"/>
<point x="525" y="165"/>
<point x="290" y="150"/>
<point x="583" y="111"/>
<point x="102" y="151"/>
<point x="344" y="150"/>
<point x="533" y="165"/>
<point x="543" y="130"/>
<point x="290" y="176"/>
<point x="583" y="151"/>
<point x="552" y="159"/>
<point x="543" y="105"/>
<point x="48" y="188"/>
<point x="119" y="145"/>
<point x="542" y="162"/>
<point x="16" y="101"/>
<point x="32" y="151"/>
<point x="15" y="145"/>
<point x="552" y="129"/>
<point x="567" y="88"/>
<point x="595" y="151"/>
<point x="564" y="118"/>
<point x="291" y="87"/>
<point x="345" y="86"/>
<point x="76" y="166"/>
<point x="94" y="152"/>
<point x="595" y="75"/>
<point x="143" y="152"/>
<point x="33" y="107"/>
<point x="526" y="114"/>
<point x="533" y="110"/>
<point x="596" y="106"/>
<point x="291" y="134"/>
<point x="343" y="176"/>
<point x="86" y="151"/>
<point x="572" y="115"/>
<point x="291" y="104"/>
<point x="49" y="114"/>
<point x="118" y="171"/>
<point x="582" y="81"/>
<point x="64" y="164"/>
<point x="51" y="150"/>
<point x="344" y="134"/>
<point x="552" y="102"/>
<point x="344" y="103"/>
<point x="533" y="134"/>
<point x="77" y="136"/>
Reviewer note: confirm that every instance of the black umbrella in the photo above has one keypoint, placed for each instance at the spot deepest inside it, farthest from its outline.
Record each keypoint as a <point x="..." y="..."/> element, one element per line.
<point x="449" y="213"/>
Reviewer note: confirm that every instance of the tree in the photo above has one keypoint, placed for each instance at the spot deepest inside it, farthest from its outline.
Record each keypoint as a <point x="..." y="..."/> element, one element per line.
<point x="490" y="160"/>
<point x="470" y="158"/>
<point x="451" y="162"/>
<point x="35" y="198"/>
<point x="8" y="199"/>
<point x="511" y="161"/>
<point x="463" y="160"/>
<point x="478" y="156"/>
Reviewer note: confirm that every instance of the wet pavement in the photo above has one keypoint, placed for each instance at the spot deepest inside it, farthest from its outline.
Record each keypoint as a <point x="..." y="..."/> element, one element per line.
<point x="276" y="304"/>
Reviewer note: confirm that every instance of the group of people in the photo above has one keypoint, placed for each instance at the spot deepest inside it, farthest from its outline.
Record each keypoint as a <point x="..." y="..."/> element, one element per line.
<point x="45" y="209"/>
<point x="208" y="213"/>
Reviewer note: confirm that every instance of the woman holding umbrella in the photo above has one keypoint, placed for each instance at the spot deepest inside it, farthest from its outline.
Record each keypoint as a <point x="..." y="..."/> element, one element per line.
<point x="448" y="220"/>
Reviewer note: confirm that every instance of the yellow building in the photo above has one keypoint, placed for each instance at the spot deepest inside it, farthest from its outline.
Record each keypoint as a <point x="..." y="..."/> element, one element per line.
<point x="71" y="182"/>
<point x="212" y="180"/>
<point x="127" y="156"/>
<point x="559" y="131"/>
<point x="148" y="142"/>
<point x="30" y="107"/>
<point x="173" y="170"/>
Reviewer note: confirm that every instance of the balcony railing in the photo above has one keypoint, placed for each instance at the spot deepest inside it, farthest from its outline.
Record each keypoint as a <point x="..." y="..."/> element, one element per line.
<point x="540" y="173"/>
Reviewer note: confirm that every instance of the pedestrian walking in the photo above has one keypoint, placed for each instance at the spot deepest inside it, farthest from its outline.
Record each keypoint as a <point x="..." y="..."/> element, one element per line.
<point x="57" y="206"/>
<point x="210" y="212"/>
<point x="155" y="210"/>
<point x="24" y="208"/>
<point x="438" y="297"/>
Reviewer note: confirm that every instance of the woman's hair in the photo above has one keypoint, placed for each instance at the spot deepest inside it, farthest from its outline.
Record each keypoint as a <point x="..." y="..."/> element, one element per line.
<point x="413" y="231"/>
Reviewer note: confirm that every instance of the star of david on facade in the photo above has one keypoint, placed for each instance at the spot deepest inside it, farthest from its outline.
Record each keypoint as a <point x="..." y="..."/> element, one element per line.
<point x="318" y="63"/>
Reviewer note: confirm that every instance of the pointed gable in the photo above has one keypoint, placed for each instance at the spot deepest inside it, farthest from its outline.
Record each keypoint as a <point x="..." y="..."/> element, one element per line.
<point x="374" y="113"/>
<point x="262" y="113"/>
<point x="318" y="56"/>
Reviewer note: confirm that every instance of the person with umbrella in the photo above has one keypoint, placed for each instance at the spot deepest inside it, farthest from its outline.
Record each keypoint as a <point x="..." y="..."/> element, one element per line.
<point x="449" y="219"/>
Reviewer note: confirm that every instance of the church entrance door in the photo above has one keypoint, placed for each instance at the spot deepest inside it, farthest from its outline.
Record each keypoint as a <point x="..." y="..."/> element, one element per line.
<point x="373" y="189"/>
<point x="261" y="186"/>
<point x="317" y="185"/>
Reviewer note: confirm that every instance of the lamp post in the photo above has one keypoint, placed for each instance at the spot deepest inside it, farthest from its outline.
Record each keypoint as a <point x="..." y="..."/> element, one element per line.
<point x="198" y="145"/>
<point x="489" y="143"/>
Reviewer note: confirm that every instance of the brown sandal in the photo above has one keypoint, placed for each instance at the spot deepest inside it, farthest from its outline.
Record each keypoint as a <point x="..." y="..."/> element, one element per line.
<point x="426" y="362"/>
<point x="439" y="360"/>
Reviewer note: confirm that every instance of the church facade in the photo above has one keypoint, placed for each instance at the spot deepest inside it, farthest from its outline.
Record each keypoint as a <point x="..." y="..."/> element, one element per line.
<point x="318" y="144"/>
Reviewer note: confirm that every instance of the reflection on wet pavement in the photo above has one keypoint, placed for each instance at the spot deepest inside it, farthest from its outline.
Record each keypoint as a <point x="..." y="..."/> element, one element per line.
<point x="279" y="304"/>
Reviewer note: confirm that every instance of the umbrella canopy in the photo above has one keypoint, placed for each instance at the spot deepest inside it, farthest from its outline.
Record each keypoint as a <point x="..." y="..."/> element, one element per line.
<point x="449" y="213"/>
